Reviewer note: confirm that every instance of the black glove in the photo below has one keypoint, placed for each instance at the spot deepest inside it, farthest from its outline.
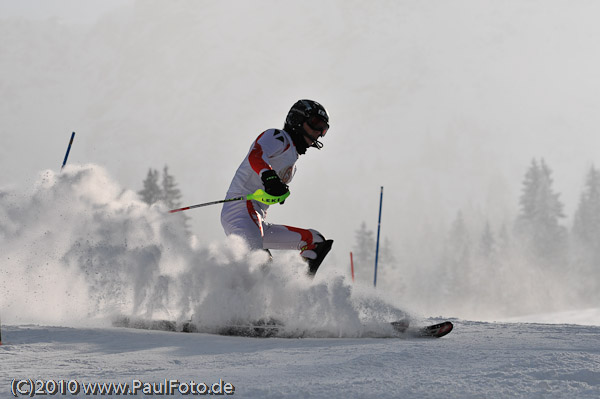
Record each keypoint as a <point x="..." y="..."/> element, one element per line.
<point x="273" y="184"/>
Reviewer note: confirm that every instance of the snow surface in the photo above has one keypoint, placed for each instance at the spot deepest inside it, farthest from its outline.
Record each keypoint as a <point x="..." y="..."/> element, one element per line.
<point x="476" y="360"/>
<point x="78" y="250"/>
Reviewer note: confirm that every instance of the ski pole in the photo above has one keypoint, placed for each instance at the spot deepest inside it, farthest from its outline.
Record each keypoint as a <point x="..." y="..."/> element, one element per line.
<point x="258" y="195"/>
<point x="378" y="230"/>
<point x="68" y="150"/>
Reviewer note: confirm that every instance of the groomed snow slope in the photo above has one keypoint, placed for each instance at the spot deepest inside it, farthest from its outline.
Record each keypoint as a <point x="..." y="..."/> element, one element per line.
<point x="477" y="360"/>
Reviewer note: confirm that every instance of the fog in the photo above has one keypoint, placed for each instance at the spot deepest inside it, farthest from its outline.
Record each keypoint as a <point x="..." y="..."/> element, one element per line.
<point x="444" y="104"/>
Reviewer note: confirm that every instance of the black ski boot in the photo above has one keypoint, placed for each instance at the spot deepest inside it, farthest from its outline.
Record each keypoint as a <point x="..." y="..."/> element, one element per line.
<point x="322" y="249"/>
<point x="270" y="259"/>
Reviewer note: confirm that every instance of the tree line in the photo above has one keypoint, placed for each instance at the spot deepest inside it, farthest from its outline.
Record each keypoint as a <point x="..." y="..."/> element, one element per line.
<point x="163" y="188"/>
<point x="530" y="264"/>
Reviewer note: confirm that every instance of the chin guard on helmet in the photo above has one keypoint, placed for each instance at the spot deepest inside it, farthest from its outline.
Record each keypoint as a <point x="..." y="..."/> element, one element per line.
<point x="315" y="116"/>
<point x="315" y="142"/>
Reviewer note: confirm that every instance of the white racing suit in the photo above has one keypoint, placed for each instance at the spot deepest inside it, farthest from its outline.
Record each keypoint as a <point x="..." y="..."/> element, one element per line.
<point x="273" y="149"/>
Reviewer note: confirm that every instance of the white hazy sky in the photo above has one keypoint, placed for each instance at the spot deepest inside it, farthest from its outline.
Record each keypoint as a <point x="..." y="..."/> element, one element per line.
<point x="67" y="11"/>
<point x="443" y="103"/>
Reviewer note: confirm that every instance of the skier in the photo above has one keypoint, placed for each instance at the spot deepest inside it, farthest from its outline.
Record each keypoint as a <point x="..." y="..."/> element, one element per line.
<point x="270" y="165"/>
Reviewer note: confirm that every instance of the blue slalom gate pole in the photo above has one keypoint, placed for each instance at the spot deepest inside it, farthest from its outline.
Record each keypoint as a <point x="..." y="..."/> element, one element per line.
<point x="68" y="150"/>
<point x="378" y="230"/>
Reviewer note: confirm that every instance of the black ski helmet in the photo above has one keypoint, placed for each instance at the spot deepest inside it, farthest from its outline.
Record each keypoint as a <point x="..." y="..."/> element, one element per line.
<point x="311" y="112"/>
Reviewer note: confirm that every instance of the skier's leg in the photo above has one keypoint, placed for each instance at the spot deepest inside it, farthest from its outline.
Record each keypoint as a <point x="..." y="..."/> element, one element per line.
<point x="240" y="218"/>
<point x="312" y="245"/>
<point x="278" y="236"/>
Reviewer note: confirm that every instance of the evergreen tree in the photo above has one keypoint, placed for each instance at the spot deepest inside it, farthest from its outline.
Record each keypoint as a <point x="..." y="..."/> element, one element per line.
<point x="167" y="192"/>
<point x="364" y="251"/>
<point x="528" y="198"/>
<point x="454" y="273"/>
<point x="387" y="259"/>
<point x="538" y="222"/>
<point x="364" y="260"/>
<point x="586" y="223"/>
<point x="170" y="193"/>
<point x="487" y="244"/>
<point x="390" y="276"/>
<point x="151" y="191"/>
<point x="171" y="196"/>
<point x="458" y="252"/>
<point x="504" y="240"/>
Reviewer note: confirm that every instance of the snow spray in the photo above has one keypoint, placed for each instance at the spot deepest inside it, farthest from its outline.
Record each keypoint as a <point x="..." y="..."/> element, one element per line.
<point x="78" y="249"/>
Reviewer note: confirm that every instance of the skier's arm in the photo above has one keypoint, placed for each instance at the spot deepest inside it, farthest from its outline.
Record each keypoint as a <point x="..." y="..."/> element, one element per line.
<point x="264" y="147"/>
<point x="257" y="157"/>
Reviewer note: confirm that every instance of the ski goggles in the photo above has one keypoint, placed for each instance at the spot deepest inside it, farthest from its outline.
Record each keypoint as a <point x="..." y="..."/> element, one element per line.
<point x="317" y="123"/>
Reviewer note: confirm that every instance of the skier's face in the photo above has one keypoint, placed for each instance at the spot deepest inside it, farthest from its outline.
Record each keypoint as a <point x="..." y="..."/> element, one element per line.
<point x="316" y="123"/>
<point x="316" y="128"/>
<point x="314" y="134"/>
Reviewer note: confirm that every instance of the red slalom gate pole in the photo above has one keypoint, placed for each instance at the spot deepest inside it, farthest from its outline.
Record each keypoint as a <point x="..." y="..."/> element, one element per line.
<point x="352" y="266"/>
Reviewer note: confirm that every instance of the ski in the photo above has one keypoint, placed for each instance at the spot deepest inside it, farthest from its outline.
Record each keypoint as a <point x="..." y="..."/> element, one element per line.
<point x="437" y="330"/>
<point x="432" y="331"/>
<point x="263" y="328"/>
<point x="269" y="328"/>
